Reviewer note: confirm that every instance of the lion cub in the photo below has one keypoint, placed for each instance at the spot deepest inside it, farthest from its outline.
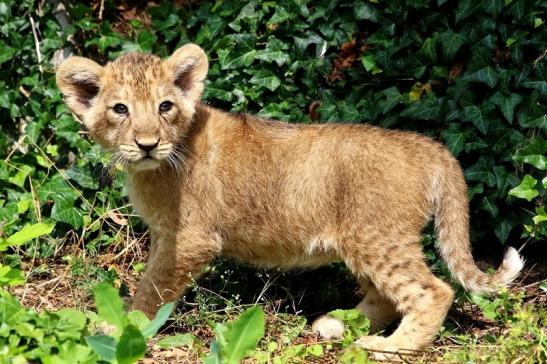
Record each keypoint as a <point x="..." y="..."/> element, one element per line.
<point x="208" y="182"/>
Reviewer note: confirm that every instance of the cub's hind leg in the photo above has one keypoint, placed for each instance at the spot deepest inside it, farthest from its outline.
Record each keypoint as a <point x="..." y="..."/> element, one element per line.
<point x="376" y="307"/>
<point x="403" y="276"/>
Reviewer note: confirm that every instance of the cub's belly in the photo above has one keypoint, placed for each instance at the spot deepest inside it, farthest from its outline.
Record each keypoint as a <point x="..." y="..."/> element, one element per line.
<point x="279" y="255"/>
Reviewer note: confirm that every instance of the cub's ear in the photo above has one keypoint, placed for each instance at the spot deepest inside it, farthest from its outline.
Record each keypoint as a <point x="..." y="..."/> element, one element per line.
<point x="79" y="79"/>
<point x="188" y="66"/>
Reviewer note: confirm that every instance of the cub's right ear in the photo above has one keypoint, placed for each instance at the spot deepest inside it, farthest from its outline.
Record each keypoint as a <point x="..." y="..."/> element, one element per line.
<point x="79" y="79"/>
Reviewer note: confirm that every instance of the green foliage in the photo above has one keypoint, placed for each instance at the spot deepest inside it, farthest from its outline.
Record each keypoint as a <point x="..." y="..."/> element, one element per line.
<point x="128" y="342"/>
<point x="519" y="337"/>
<point x="356" y="324"/>
<point x="236" y="338"/>
<point x="13" y="276"/>
<point x="63" y="336"/>
<point x="470" y="74"/>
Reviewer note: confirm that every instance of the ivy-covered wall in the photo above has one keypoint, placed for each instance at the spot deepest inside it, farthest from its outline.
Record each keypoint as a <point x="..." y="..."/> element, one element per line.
<point x="469" y="73"/>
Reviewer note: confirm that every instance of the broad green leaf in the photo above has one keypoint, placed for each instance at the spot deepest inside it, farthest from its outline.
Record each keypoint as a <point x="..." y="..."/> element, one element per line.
<point x="265" y="79"/>
<point x="393" y="98"/>
<point x="279" y="57"/>
<point x="176" y="341"/>
<point x="506" y="104"/>
<point x="131" y="346"/>
<point x="481" y="171"/>
<point x="486" y="75"/>
<point x="228" y="61"/>
<point x="475" y="115"/>
<point x="71" y="323"/>
<point x="489" y="205"/>
<point x="466" y="8"/>
<point x="450" y="43"/>
<point x="502" y="228"/>
<point x="214" y="356"/>
<point x="104" y="346"/>
<point x="537" y="160"/>
<point x="11" y="276"/>
<point x="243" y="334"/>
<point x="83" y="177"/>
<point x="21" y="175"/>
<point x="427" y="109"/>
<point x="67" y="213"/>
<point x="7" y="52"/>
<point x="362" y="10"/>
<point x="526" y="189"/>
<point x="455" y="139"/>
<point x="429" y="48"/>
<point x="138" y="319"/>
<point x="161" y="318"/>
<point x="27" y="233"/>
<point x="541" y="215"/>
<point x="281" y="14"/>
<point x="493" y="7"/>
<point x="109" y="305"/>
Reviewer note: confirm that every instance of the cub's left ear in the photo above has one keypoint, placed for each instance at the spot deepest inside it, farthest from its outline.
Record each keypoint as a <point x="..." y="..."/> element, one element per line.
<point x="189" y="66"/>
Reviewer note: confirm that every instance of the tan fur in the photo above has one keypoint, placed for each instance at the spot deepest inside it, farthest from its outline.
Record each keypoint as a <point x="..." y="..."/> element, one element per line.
<point x="279" y="195"/>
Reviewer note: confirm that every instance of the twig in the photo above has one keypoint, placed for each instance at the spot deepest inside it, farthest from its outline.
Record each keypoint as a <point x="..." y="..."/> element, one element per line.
<point x="36" y="43"/>
<point x="101" y="8"/>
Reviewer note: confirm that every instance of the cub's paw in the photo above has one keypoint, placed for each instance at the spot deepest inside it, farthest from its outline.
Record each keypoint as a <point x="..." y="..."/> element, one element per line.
<point x="379" y="348"/>
<point x="329" y="327"/>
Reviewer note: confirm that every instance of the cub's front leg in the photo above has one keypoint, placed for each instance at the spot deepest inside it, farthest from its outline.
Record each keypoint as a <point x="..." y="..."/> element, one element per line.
<point x="175" y="259"/>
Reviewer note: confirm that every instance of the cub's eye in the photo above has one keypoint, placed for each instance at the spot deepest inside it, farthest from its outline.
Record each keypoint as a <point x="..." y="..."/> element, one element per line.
<point x="166" y="106"/>
<point x="120" y="109"/>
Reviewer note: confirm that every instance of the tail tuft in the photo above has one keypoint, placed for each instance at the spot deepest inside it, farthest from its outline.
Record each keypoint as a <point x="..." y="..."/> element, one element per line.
<point x="510" y="267"/>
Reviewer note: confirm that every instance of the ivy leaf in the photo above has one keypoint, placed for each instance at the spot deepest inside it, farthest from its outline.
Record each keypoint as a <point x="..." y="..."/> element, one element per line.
<point x="265" y="79"/>
<point x="489" y="205"/>
<point x="428" y="109"/>
<point x="365" y="11"/>
<point x="481" y="171"/>
<point x="455" y="139"/>
<point x="493" y="7"/>
<point x="450" y="43"/>
<point x="475" y="115"/>
<point x="393" y="98"/>
<point x="466" y="8"/>
<point x="281" y="14"/>
<point x="429" y="48"/>
<point x="526" y="189"/>
<point x="502" y="228"/>
<point x="506" y="104"/>
<point x="244" y="60"/>
<point x="27" y="233"/>
<point x="486" y="75"/>
<point x="536" y="160"/>
<point x="83" y="177"/>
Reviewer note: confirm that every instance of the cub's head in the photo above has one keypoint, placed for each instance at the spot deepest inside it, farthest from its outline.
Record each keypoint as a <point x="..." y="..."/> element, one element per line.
<point x="138" y="106"/>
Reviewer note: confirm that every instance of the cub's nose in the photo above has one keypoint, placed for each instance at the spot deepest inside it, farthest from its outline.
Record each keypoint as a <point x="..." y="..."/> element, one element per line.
<point x="147" y="144"/>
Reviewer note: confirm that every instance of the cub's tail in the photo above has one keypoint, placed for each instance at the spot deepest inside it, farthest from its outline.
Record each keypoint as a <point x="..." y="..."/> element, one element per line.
<point x="452" y="225"/>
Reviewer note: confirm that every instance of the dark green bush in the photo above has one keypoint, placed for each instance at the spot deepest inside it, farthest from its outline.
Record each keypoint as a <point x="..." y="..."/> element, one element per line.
<point x="470" y="74"/>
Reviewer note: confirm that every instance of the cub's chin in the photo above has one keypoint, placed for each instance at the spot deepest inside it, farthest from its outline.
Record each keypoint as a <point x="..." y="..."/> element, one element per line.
<point x="145" y="164"/>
